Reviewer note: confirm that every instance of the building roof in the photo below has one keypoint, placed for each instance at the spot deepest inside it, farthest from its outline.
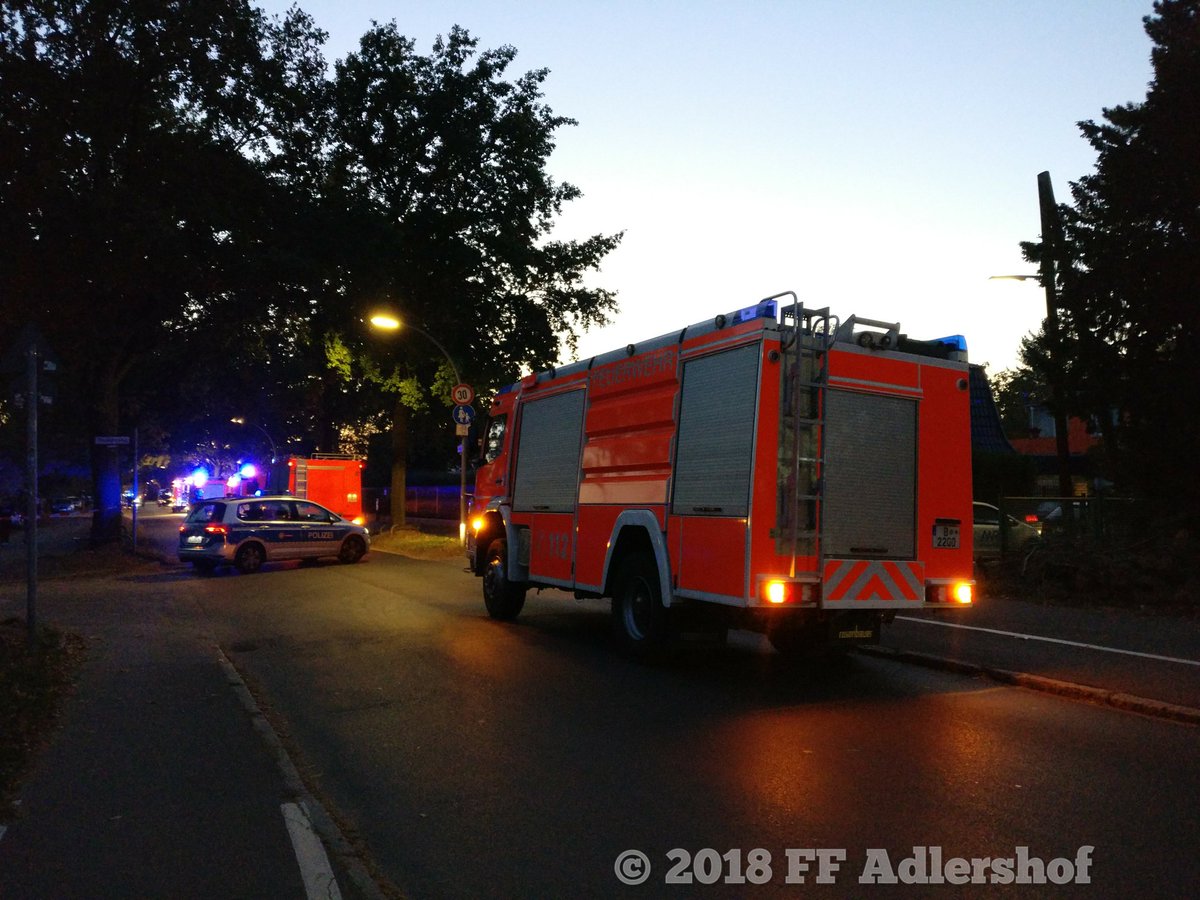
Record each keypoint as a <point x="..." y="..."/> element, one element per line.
<point x="987" y="434"/>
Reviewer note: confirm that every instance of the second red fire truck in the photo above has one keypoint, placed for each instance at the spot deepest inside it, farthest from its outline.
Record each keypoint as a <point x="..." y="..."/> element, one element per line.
<point x="773" y="469"/>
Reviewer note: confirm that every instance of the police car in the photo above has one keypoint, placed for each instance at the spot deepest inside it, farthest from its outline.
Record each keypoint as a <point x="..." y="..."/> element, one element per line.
<point x="248" y="531"/>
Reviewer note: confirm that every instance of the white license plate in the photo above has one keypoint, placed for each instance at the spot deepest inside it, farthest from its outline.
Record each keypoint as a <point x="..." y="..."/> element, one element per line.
<point x="945" y="537"/>
<point x="195" y="539"/>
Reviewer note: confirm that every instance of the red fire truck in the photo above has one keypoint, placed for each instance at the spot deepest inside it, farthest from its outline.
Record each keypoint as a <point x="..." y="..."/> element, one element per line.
<point x="332" y="479"/>
<point x="775" y="469"/>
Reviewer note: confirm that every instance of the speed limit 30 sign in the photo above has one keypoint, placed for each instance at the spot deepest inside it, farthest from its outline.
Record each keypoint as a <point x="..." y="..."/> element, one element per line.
<point x="462" y="394"/>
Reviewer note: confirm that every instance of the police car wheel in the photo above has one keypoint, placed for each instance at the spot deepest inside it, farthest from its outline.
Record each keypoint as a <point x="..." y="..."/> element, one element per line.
<point x="639" y="618"/>
<point x="352" y="550"/>
<point x="250" y="558"/>
<point x="502" y="598"/>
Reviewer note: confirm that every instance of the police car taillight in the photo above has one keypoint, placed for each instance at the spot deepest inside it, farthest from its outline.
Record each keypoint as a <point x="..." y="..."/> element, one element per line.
<point x="217" y="529"/>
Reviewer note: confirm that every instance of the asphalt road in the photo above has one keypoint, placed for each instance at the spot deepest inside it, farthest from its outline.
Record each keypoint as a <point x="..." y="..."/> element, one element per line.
<point x="472" y="758"/>
<point x="475" y="758"/>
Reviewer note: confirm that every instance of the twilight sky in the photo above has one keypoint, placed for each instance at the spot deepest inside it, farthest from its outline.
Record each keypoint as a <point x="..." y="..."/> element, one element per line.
<point x="879" y="157"/>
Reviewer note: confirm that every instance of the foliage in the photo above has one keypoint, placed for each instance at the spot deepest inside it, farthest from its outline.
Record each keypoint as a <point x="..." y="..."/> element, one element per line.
<point x="198" y="214"/>
<point x="449" y="158"/>
<point x="1015" y="391"/>
<point x="1129" y="272"/>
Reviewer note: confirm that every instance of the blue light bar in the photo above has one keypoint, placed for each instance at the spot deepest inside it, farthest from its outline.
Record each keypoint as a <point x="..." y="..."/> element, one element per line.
<point x="956" y="341"/>
<point x="765" y="309"/>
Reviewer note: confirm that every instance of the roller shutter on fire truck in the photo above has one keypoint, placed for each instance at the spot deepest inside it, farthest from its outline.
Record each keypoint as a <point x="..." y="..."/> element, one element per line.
<point x="716" y="433"/>
<point x="870" y="475"/>
<point x="548" y="454"/>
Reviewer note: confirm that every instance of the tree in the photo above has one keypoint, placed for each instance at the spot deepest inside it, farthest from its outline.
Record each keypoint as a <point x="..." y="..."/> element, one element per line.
<point x="445" y="161"/>
<point x="1015" y="391"/>
<point x="1131" y="273"/>
<point x="132" y="199"/>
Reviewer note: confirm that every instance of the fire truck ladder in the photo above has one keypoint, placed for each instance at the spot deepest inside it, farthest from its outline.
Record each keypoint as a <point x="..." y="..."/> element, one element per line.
<point x="813" y="331"/>
<point x="301" y="478"/>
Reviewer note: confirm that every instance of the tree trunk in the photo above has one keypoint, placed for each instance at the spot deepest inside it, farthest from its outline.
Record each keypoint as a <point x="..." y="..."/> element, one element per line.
<point x="399" y="488"/>
<point x="106" y="470"/>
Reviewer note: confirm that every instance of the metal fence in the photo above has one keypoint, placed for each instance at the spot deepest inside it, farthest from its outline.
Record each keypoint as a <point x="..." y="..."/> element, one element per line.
<point x="1109" y="520"/>
<point x="431" y="501"/>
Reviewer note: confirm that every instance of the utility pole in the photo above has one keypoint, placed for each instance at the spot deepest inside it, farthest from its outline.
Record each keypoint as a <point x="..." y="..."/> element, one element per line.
<point x="1052" y="247"/>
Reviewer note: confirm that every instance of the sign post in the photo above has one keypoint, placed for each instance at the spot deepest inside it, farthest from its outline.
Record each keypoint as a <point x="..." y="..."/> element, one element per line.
<point x="31" y="355"/>
<point x="464" y="414"/>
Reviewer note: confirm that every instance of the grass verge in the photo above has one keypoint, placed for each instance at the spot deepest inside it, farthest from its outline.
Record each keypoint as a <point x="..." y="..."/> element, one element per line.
<point x="33" y="684"/>
<point x="412" y="542"/>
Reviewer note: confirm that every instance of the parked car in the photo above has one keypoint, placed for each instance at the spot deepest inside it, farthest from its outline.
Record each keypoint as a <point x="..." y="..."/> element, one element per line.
<point x="987" y="532"/>
<point x="246" y="532"/>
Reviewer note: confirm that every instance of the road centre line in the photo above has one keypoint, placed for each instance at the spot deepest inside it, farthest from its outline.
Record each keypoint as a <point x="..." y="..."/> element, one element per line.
<point x="1050" y="640"/>
<point x="319" y="880"/>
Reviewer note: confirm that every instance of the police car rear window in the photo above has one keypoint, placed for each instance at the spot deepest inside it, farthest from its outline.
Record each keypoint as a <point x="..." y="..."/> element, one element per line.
<point x="267" y="511"/>
<point x="207" y="512"/>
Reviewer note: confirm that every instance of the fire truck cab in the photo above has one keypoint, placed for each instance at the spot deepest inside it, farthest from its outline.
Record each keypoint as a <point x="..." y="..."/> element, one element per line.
<point x="774" y="469"/>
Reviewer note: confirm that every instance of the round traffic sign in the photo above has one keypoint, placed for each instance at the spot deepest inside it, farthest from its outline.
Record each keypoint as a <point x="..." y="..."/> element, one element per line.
<point x="462" y="394"/>
<point x="463" y="415"/>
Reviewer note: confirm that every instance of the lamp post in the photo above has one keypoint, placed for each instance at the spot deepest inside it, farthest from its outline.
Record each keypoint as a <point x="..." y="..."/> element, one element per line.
<point x="239" y="420"/>
<point x="388" y="322"/>
<point x="1062" y="445"/>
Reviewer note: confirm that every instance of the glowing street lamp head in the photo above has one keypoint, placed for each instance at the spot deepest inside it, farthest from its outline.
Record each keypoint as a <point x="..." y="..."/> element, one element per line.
<point x="385" y="321"/>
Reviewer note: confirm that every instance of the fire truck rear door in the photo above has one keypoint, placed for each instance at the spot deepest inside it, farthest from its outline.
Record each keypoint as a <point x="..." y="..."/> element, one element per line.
<point x="546" y="485"/>
<point x="714" y="460"/>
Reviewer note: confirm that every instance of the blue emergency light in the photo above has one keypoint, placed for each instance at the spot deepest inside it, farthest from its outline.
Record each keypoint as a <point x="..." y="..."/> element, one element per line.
<point x="954" y="341"/>
<point x="764" y="309"/>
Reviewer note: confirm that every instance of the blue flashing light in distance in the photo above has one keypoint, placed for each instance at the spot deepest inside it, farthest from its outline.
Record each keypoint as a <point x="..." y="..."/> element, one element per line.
<point x="249" y="470"/>
<point x="200" y="477"/>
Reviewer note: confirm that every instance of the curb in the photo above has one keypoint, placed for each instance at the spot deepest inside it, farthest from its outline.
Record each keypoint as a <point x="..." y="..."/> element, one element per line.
<point x="319" y="818"/>
<point x="1116" y="699"/>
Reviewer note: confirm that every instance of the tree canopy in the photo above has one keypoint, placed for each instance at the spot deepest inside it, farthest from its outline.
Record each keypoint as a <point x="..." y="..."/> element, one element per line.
<point x="1129" y="270"/>
<point x="199" y="214"/>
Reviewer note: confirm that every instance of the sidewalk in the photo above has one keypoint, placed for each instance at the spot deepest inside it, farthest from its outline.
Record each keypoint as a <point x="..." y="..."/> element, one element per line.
<point x="1114" y="656"/>
<point x="158" y="784"/>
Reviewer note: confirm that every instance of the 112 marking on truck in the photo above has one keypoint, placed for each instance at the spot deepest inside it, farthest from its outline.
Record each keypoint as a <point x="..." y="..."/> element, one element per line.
<point x="775" y="469"/>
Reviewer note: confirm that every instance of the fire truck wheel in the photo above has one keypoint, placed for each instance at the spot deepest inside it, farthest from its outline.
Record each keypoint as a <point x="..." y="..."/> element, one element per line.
<point x="639" y="617"/>
<point x="352" y="550"/>
<point x="502" y="598"/>
<point x="249" y="558"/>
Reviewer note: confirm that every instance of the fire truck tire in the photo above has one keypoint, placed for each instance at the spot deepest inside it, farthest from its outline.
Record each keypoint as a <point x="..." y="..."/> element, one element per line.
<point x="250" y="558"/>
<point x="502" y="598"/>
<point x="639" y="617"/>
<point x="352" y="550"/>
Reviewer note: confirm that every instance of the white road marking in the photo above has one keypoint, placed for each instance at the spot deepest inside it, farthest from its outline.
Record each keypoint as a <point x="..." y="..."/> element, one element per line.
<point x="319" y="883"/>
<point x="1050" y="640"/>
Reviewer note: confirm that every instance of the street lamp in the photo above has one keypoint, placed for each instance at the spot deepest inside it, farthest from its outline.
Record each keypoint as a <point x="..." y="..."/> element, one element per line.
<point x="1062" y="444"/>
<point x="388" y="322"/>
<point x="239" y="420"/>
